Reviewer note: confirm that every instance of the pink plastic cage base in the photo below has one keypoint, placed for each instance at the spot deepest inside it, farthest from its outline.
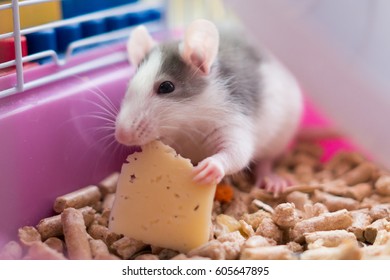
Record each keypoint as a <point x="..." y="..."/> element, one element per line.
<point x="53" y="139"/>
<point x="312" y="118"/>
<point x="52" y="147"/>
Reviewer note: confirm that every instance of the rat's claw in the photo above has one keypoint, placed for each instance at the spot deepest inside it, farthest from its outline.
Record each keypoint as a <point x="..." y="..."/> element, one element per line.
<point x="208" y="171"/>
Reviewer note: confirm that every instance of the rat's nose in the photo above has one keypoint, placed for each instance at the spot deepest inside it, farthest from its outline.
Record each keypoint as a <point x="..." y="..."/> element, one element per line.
<point x="124" y="136"/>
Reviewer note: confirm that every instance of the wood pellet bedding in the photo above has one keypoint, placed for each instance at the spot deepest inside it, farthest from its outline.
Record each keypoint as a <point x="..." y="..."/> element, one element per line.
<point x="339" y="209"/>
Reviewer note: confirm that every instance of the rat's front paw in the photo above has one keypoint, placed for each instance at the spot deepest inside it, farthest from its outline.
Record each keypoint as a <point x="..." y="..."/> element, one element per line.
<point x="209" y="171"/>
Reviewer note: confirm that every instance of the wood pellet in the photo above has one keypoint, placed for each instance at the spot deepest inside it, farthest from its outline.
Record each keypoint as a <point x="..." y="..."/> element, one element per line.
<point x="339" y="209"/>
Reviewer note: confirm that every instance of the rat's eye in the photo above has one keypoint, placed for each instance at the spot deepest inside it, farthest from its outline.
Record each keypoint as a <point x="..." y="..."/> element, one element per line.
<point x="166" y="87"/>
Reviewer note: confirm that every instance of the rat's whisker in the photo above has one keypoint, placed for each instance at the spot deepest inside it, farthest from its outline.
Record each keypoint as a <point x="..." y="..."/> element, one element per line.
<point x="107" y="101"/>
<point x="104" y="129"/>
<point x="100" y="94"/>
<point x="188" y="134"/>
<point x="104" y="109"/>
<point x="99" y="117"/>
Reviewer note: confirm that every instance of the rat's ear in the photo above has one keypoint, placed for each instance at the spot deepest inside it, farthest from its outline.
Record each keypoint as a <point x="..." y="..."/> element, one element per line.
<point x="139" y="44"/>
<point x="200" y="45"/>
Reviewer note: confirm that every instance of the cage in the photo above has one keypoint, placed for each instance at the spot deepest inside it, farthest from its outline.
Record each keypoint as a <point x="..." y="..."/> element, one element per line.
<point x="61" y="83"/>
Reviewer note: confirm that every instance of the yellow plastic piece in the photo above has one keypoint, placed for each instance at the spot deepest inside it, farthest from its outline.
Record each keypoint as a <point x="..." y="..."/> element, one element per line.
<point x="31" y="15"/>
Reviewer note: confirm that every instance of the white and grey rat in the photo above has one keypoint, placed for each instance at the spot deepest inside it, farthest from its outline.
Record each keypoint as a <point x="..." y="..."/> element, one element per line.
<point x="212" y="97"/>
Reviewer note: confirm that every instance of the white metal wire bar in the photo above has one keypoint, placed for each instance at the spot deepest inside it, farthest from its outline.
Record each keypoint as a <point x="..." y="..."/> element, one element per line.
<point x="19" y="60"/>
<point x="134" y="7"/>
<point x="104" y="38"/>
<point x="18" y="46"/>
<point x="25" y="3"/>
<point x="107" y="37"/>
<point x="78" y="69"/>
<point x="35" y="56"/>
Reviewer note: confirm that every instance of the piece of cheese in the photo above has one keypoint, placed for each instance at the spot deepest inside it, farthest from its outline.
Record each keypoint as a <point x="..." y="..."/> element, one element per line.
<point x="158" y="203"/>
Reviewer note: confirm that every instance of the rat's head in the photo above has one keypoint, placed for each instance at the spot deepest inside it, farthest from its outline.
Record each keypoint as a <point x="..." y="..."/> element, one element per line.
<point x="168" y="85"/>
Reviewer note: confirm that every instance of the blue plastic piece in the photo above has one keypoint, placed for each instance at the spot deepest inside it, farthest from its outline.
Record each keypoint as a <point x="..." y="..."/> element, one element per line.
<point x="93" y="27"/>
<point x="143" y="16"/>
<point x="116" y="22"/>
<point x="115" y="3"/>
<point x="72" y="8"/>
<point x="154" y="14"/>
<point x="66" y="35"/>
<point x="41" y="41"/>
<point x="137" y="18"/>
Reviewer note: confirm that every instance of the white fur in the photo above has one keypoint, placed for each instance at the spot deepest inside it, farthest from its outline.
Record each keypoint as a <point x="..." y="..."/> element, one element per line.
<point x="195" y="124"/>
<point x="200" y="45"/>
<point x="136" y="106"/>
<point x="139" y="44"/>
<point x="143" y="82"/>
<point x="279" y="118"/>
<point x="210" y="111"/>
<point x="208" y="127"/>
<point x="263" y="138"/>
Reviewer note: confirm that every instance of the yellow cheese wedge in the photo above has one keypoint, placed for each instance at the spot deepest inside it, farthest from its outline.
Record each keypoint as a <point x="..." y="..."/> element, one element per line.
<point x="158" y="203"/>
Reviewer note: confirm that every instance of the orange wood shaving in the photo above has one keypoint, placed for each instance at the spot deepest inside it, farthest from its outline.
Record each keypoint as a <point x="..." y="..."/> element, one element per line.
<point x="224" y="192"/>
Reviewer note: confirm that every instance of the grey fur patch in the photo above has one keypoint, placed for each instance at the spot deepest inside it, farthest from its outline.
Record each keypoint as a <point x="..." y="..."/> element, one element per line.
<point x="238" y="68"/>
<point x="144" y="60"/>
<point x="173" y="68"/>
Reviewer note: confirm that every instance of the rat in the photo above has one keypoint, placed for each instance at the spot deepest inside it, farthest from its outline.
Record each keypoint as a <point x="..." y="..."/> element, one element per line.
<point x="214" y="97"/>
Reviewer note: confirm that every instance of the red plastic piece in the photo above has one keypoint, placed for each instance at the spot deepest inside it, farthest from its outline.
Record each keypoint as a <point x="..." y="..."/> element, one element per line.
<point x="7" y="49"/>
